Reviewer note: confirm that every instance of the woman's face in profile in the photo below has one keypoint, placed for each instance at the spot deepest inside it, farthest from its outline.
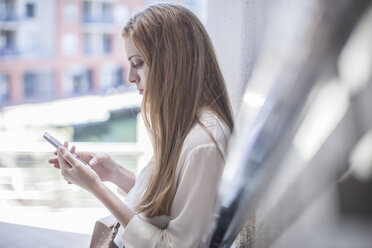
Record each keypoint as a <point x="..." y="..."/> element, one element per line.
<point x="138" y="69"/>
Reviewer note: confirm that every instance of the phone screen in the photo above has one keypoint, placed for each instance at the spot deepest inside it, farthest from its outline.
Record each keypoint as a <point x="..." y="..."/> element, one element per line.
<point x="52" y="140"/>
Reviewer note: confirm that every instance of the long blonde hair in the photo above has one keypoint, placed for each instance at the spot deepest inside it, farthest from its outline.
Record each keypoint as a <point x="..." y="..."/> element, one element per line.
<point x="183" y="77"/>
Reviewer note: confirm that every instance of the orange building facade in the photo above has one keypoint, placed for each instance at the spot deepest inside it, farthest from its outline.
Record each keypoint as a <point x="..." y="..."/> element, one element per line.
<point x="62" y="48"/>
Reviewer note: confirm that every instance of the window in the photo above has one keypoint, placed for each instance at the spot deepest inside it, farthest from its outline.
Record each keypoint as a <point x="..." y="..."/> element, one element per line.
<point x="30" y="84"/>
<point x="106" y="12"/>
<point x="87" y="15"/>
<point x="106" y="43"/>
<point x="70" y="12"/>
<point x="30" y="10"/>
<point x="4" y="88"/>
<point x="88" y="44"/>
<point x="112" y="79"/>
<point x="117" y="77"/>
<point x="77" y="84"/>
<point x="39" y="85"/>
<point x="97" y="12"/>
<point x="81" y="82"/>
<point x="7" y="42"/>
<point x="6" y="10"/>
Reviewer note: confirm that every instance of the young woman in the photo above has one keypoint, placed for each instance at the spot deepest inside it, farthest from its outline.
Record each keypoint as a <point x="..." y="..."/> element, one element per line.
<point x="187" y="112"/>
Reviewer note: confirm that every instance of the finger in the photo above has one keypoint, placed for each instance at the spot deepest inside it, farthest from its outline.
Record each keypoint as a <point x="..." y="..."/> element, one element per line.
<point x="55" y="153"/>
<point x="73" y="149"/>
<point x="68" y="181"/>
<point x="65" y="144"/>
<point x="86" y="156"/>
<point x="93" y="161"/>
<point x="53" y="160"/>
<point x="55" y="163"/>
<point x="67" y="156"/>
<point x="62" y="161"/>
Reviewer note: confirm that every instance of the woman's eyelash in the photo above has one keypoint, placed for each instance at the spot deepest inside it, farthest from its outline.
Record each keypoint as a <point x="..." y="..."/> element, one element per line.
<point x="137" y="65"/>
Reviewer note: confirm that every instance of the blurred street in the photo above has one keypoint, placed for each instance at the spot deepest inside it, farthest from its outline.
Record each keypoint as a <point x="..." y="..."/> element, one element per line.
<point x="19" y="236"/>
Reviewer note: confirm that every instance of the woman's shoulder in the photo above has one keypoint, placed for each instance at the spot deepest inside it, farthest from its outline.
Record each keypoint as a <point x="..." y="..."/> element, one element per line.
<point x="210" y="126"/>
<point x="199" y="143"/>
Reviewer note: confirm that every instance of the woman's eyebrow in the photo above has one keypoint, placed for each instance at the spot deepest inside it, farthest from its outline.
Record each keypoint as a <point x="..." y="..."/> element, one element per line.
<point x="133" y="56"/>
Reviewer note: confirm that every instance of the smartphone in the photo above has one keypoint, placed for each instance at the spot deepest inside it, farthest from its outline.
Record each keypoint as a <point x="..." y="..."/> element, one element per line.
<point x="54" y="142"/>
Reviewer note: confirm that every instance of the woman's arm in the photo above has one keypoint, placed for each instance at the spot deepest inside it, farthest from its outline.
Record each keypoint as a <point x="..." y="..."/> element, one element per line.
<point x="124" y="179"/>
<point x="118" y="208"/>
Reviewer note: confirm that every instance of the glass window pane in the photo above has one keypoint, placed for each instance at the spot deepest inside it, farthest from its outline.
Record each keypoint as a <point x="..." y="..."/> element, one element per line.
<point x="30" y="84"/>
<point x="30" y="10"/>
<point x="4" y="88"/>
<point x="106" y="43"/>
<point x="70" y="12"/>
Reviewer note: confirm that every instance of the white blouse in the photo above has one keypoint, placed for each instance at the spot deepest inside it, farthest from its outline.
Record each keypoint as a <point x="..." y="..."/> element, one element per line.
<point x="193" y="213"/>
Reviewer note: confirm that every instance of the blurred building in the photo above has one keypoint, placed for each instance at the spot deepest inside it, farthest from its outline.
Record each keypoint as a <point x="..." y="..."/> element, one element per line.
<point x="61" y="48"/>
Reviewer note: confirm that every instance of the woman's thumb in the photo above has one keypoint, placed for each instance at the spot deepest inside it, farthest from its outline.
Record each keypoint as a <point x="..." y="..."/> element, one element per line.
<point x="93" y="161"/>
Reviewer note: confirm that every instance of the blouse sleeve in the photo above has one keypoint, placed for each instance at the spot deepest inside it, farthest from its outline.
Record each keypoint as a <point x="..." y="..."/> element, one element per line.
<point x="192" y="208"/>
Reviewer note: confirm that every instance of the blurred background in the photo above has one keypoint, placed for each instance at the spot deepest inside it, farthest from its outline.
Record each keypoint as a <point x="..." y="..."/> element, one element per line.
<point x="299" y="167"/>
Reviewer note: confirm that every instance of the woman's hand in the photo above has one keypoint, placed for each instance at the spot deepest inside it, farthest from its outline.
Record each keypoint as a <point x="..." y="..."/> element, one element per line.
<point x="102" y="164"/>
<point x="109" y="170"/>
<point x="105" y="167"/>
<point x="75" y="171"/>
<point x="54" y="161"/>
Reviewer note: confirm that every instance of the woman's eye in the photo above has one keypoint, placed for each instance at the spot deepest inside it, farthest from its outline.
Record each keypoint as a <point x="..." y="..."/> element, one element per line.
<point x="138" y="64"/>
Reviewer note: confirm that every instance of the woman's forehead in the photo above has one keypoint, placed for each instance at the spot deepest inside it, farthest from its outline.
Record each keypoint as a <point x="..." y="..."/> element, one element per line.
<point x="130" y="49"/>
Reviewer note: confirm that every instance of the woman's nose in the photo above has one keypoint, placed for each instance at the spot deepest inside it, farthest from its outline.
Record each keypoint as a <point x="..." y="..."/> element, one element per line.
<point x="132" y="81"/>
<point x="132" y="77"/>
